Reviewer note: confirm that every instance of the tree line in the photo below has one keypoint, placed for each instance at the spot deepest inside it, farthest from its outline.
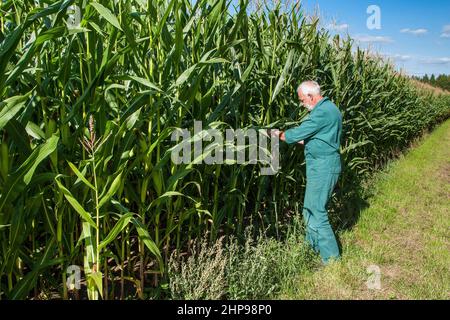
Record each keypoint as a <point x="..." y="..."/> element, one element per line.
<point x="442" y="81"/>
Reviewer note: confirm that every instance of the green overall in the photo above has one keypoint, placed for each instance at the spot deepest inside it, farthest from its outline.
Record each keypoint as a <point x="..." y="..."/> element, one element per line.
<point x="321" y="132"/>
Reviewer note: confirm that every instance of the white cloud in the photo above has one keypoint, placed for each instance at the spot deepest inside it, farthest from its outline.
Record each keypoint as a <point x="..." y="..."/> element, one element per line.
<point x="415" y="32"/>
<point x="400" y="57"/>
<point x="337" y="27"/>
<point x="444" y="60"/>
<point x="446" y="31"/>
<point x="373" y="39"/>
<point x="397" y="57"/>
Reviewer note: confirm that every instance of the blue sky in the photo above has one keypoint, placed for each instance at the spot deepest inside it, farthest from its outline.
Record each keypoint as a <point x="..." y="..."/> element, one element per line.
<point x="414" y="34"/>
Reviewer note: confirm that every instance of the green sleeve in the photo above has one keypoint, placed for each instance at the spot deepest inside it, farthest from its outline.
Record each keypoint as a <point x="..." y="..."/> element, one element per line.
<point x="307" y="129"/>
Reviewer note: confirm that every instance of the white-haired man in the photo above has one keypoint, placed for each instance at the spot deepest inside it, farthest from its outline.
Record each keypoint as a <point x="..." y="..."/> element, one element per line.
<point x="320" y="133"/>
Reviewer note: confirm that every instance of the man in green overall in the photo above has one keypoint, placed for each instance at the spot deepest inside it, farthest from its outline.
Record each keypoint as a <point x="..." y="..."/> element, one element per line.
<point x="320" y="133"/>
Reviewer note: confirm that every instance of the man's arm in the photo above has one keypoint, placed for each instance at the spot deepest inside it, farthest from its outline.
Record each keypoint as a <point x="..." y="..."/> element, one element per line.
<point x="281" y="135"/>
<point x="307" y="129"/>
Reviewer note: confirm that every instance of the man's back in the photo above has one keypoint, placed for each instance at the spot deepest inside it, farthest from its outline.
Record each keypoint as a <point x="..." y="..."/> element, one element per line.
<point x="326" y="140"/>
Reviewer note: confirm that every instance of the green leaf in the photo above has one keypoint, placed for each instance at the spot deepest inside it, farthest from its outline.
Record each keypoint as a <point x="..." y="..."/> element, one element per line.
<point x="214" y="60"/>
<point x="10" y="107"/>
<point x="173" y="194"/>
<point x="20" y="178"/>
<point x="120" y="225"/>
<point x="185" y="75"/>
<point x="7" y="48"/>
<point x="26" y="58"/>
<point x="35" y="131"/>
<point x="162" y="22"/>
<point x="19" y="136"/>
<point x="145" y="82"/>
<point x="80" y="175"/>
<point x="112" y="190"/>
<point x="149" y="243"/>
<point x="107" y="14"/>
<point x="97" y="277"/>
<point x="283" y="75"/>
<point x="76" y="205"/>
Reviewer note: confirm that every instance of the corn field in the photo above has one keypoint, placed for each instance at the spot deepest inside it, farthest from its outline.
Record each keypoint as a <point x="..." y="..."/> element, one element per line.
<point x="87" y="109"/>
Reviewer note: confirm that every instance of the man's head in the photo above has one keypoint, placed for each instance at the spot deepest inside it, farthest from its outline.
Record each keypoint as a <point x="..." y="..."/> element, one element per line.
<point x="309" y="94"/>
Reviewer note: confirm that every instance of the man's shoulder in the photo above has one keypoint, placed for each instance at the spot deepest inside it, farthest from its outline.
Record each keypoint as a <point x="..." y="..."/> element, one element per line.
<point x="329" y="102"/>
<point x="326" y="106"/>
<point x="332" y="107"/>
<point x="329" y="112"/>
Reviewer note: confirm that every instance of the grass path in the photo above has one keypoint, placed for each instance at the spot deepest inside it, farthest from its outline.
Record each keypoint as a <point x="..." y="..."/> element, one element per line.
<point x="404" y="233"/>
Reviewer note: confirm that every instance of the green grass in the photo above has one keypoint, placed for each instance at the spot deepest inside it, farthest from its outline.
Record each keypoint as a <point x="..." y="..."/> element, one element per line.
<point x="404" y="231"/>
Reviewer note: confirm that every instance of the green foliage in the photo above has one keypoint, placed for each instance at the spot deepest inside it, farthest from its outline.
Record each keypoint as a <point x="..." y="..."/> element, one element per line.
<point x="441" y="81"/>
<point x="258" y="268"/>
<point x="201" y="276"/>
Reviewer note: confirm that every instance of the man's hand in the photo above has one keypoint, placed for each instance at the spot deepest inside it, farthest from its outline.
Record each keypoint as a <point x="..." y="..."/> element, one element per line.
<point x="278" y="133"/>
<point x="275" y="132"/>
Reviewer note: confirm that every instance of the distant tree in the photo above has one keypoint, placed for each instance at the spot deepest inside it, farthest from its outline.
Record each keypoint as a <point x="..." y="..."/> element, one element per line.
<point x="432" y="80"/>
<point x="441" y="81"/>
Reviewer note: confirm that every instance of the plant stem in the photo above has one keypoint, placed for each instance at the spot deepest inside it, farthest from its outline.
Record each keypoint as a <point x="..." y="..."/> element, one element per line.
<point x="97" y="222"/>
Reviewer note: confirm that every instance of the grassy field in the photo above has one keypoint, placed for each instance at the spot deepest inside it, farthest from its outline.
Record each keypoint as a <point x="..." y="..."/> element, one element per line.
<point x="404" y="232"/>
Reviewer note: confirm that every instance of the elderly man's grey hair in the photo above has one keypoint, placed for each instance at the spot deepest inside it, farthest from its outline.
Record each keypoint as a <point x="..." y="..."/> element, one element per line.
<point x="309" y="87"/>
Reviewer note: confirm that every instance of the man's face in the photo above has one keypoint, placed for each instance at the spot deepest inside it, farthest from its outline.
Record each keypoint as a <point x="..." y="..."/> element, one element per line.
<point x="306" y="100"/>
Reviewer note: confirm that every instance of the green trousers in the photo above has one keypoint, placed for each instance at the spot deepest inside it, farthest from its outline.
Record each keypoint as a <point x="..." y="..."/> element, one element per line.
<point x="321" y="178"/>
